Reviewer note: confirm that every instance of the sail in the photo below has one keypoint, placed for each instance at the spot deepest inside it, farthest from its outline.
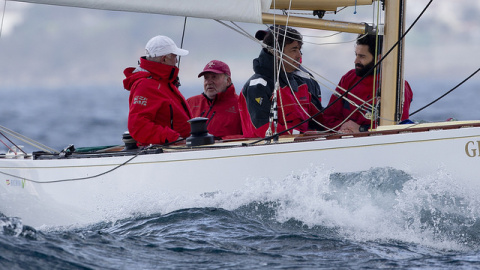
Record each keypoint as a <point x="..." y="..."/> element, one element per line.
<point x="250" y="11"/>
<point x="231" y="10"/>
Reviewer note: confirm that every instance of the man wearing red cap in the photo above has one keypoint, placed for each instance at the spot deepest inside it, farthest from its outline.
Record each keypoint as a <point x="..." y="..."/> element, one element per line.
<point x="158" y="111"/>
<point x="218" y="102"/>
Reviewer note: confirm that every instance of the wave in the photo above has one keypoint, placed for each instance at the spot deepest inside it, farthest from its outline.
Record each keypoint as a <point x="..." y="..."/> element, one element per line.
<point x="380" y="205"/>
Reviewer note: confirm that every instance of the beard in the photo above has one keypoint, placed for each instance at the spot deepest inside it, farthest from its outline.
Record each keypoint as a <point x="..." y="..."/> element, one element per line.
<point x="362" y="70"/>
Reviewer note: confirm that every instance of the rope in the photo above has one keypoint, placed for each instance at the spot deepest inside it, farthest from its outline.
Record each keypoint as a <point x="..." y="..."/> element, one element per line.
<point x="97" y="175"/>
<point x="27" y="140"/>
<point x="3" y="16"/>
<point x="448" y="92"/>
<point x="374" y="90"/>
<point x="74" y="179"/>
<point x="181" y="43"/>
<point x="346" y="92"/>
<point x="6" y="145"/>
<point x="16" y="146"/>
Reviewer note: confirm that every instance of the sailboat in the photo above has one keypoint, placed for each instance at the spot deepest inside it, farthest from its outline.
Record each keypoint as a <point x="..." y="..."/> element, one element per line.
<point x="70" y="188"/>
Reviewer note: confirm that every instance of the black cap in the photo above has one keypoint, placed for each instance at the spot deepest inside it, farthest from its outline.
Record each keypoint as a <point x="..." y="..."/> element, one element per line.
<point x="260" y="35"/>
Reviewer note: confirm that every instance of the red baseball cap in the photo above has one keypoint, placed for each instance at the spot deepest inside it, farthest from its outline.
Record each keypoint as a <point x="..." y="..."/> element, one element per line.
<point x="216" y="66"/>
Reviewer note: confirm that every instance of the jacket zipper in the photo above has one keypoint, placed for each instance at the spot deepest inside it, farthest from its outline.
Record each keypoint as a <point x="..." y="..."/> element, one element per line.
<point x="171" y="116"/>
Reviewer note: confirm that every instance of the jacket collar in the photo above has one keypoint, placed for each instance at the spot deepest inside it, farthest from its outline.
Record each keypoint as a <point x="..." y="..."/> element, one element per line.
<point x="264" y="64"/>
<point x="159" y="70"/>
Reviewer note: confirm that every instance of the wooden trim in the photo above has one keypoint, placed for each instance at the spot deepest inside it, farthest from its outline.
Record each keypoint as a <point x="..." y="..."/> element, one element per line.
<point x="327" y="5"/>
<point x="356" y="28"/>
<point x="333" y="136"/>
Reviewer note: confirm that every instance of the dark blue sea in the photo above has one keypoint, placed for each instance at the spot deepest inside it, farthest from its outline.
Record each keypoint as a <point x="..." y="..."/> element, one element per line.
<point x="313" y="219"/>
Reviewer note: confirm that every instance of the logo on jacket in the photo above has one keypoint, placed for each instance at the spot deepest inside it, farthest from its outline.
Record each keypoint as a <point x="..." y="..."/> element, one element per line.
<point x="140" y="100"/>
<point x="232" y="110"/>
<point x="259" y="100"/>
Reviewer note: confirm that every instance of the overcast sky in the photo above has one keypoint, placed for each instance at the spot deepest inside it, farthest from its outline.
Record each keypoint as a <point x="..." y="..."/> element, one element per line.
<point x="444" y="44"/>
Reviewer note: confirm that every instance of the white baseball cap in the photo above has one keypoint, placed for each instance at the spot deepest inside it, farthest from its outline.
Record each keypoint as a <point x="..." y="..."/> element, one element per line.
<point x="162" y="45"/>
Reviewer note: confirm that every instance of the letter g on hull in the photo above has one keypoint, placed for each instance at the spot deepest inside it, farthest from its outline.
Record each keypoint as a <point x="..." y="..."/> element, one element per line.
<point x="472" y="149"/>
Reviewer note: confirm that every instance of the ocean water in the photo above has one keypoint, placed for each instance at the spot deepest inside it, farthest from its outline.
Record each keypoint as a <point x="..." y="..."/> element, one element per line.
<point x="312" y="219"/>
<point x="381" y="218"/>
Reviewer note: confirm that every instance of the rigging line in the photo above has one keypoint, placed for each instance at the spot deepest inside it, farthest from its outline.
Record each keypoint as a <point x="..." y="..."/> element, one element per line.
<point x="330" y="43"/>
<point x="361" y="79"/>
<point x="391" y="49"/>
<point x="326" y="79"/>
<point x="361" y="108"/>
<point x="293" y="94"/>
<point x="28" y="140"/>
<point x="366" y="106"/>
<point x="3" y="16"/>
<point x="384" y="56"/>
<point x="242" y="32"/>
<point x="332" y="90"/>
<point x="279" y="97"/>
<point x="344" y="120"/>
<point x="181" y="43"/>
<point x="97" y="175"/>
<point x="279" y="67"/>
<point x="19" y="148"/>
<point x="6" y="145"/>
<point x="74" y="179"/>
<point x="448" y="92"/>
<point x="374" y="87"/>
<point x="327" y="36"/>
<point x="245" y="33"/>
<point x="80" y="178"/>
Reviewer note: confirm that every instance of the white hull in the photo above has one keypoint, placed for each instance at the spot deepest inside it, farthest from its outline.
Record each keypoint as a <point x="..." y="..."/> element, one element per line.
<point x="160" y="181"/>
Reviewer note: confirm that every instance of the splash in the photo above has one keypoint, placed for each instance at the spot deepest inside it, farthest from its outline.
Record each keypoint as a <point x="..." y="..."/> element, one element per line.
<point x="381" y="204"/>
<point x="13" y="226"/>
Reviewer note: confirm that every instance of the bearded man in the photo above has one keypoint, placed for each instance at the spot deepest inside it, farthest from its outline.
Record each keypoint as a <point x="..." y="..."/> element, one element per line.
<point x="354" y="119"/>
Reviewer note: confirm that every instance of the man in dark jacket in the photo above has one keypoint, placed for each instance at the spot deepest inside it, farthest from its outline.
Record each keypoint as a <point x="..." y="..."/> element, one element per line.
<point x="294" y="101"/>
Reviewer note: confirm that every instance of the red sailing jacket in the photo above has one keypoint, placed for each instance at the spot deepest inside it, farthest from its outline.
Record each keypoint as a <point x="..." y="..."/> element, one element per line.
<point x="158" y="111"/>
<point x="290" y="113"/>
<point x="340" y="110"/>
<point x="222" y="112"/>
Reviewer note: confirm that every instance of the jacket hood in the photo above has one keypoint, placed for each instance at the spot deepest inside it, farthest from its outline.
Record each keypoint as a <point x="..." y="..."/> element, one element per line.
<point x="132" y="77"/>
<point x="148" y="69"/>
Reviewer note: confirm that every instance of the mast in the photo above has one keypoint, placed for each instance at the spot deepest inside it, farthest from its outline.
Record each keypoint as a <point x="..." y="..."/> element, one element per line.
<point x="392" y="67"/>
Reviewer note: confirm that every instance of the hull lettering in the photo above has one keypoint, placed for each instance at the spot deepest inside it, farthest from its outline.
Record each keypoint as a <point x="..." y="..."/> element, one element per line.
<point x="472" y="149"/>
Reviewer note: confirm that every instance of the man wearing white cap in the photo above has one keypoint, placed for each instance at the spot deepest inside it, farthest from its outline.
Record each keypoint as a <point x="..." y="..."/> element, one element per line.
<point x="218" y="102"/>
<point x="158" y="111"/>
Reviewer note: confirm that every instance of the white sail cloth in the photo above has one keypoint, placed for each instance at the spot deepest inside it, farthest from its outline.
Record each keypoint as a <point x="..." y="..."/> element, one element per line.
<point x="229" y="10"/>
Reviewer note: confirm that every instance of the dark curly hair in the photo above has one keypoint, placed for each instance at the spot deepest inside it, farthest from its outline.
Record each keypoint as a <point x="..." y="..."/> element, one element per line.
<point x="369" y="40"/>
<point x="278" y="33"/>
